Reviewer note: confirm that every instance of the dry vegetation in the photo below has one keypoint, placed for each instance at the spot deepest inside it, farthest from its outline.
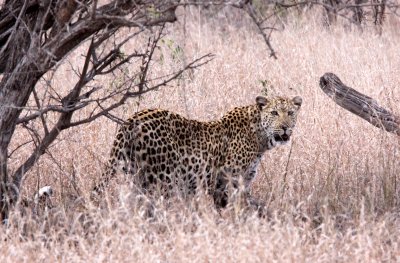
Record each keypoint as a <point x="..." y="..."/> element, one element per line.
<point x="333" y="194"/>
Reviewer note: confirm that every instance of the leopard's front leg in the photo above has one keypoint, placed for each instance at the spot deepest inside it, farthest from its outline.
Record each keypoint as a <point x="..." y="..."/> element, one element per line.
<point x="229" y="185"/>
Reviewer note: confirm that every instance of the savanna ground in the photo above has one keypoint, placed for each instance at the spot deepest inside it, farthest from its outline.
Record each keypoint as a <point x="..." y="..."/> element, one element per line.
<point x="332" y="194"/>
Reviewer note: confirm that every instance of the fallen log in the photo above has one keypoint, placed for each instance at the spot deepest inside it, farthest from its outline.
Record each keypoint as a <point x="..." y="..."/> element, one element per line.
<point x="359" y="104"/>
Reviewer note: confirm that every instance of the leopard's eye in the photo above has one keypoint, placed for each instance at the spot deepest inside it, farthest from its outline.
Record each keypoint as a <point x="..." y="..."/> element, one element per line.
<point x="290" y="113"/>
<point x="274" y="112"/>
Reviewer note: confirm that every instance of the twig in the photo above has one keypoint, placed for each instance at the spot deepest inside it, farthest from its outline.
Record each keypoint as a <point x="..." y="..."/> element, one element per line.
<point x="252" y="13"/>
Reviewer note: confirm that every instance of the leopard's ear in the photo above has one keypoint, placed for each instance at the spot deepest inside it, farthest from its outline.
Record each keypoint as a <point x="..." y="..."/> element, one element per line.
<point x="297" y="101"/>
<point x="261" y="100"/>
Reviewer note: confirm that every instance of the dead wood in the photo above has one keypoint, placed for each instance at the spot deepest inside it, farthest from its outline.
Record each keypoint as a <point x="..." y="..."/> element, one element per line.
<point x="359" y="104"/>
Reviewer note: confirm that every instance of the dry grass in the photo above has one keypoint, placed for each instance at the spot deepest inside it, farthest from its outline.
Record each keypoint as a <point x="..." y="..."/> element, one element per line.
<point x="334" y="198"/>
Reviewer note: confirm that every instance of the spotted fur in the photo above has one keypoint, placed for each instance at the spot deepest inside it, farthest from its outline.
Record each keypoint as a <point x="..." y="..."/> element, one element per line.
<point x="165" y="151"/>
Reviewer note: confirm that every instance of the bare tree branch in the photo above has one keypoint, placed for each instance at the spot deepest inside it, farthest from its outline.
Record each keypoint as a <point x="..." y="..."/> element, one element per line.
<point x="75" y="100"/>
<point x="259" y="23"/>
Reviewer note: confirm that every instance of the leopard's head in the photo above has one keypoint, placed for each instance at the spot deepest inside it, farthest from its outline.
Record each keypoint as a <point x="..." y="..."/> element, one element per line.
<point x="278" y="117"/>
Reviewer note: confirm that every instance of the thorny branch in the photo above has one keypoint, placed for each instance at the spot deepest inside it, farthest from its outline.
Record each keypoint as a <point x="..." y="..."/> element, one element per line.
<point x="35" y="36"/>
<point x="76" y="99"/>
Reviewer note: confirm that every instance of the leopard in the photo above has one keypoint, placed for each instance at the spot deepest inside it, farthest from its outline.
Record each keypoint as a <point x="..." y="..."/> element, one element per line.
<point x="164" y="151"/>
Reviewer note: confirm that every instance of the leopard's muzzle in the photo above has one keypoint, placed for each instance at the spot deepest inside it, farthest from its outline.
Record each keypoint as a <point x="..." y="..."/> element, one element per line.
<point x="282" y="138"/>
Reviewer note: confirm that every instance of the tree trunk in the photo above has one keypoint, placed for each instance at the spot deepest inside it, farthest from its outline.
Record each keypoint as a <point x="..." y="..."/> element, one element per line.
<point x="14" y="94"/>
<point x="3" y="186"/>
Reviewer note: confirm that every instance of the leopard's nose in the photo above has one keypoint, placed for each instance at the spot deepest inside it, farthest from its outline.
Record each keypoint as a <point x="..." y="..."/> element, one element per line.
<point x="286" y="130"/>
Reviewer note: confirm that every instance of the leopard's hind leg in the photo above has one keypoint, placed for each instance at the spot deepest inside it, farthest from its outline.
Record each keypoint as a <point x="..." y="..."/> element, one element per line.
<point x="122" y="156"/>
